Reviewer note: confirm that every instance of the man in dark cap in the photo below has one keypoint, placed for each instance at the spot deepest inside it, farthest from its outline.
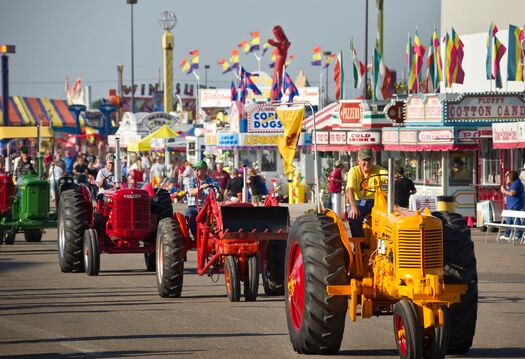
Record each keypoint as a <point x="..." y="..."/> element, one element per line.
<point x="24" y="166"/>
<point x="361" y="201"/>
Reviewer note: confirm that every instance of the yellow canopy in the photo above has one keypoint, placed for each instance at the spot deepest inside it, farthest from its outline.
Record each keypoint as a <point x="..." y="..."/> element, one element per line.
<point x="144" y="145"/>
<point x="24" y="132"/>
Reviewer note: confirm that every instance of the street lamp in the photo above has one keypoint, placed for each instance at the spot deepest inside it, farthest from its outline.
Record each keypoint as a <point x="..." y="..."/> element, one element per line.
<point x="167" y="21"/>
<point x="132" y="2"/>
<point x="206" y="67"/>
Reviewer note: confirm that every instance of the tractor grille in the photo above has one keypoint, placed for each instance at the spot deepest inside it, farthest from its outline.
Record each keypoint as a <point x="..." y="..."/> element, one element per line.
<point x="131" y="213"/>
<point x="420" y="249"/>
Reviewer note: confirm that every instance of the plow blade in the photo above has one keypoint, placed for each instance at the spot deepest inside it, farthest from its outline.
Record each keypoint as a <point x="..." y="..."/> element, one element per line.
<point x="255" y="219"/>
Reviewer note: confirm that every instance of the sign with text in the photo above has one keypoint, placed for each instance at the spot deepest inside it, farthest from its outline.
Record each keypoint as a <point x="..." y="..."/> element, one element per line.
<point x="350" y="112"/>
<point x="424" y="109"/>
<point x="263" y="118"/>
<point x="348" y="138"/>
<point x="475" y="107"/>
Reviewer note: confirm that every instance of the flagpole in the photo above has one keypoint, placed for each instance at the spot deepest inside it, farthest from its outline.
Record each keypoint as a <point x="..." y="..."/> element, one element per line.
<point x="365" y="87"/>
<point x="258" y="58"/>
<point x="197" y="99"/>
<point x="321" y="104"/>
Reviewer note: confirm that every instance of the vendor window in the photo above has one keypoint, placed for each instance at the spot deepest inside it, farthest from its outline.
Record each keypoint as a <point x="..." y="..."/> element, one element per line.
<point x="248" y="158"/>
<point x="490" y="163"/>
<point x="461" y="168"/>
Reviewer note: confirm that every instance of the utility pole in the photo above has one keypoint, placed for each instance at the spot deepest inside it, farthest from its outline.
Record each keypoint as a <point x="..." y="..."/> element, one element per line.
<point x="379" y="4"/>
<point x="206" y="67"/>
<point x="365" y="87"/>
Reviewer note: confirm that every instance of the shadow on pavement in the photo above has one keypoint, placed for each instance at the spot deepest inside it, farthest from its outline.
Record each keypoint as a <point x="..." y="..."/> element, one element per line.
<point x="108" y="354"/>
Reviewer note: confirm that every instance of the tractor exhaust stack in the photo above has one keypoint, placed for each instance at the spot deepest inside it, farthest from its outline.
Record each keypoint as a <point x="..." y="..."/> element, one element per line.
<point x="118" y="167"/>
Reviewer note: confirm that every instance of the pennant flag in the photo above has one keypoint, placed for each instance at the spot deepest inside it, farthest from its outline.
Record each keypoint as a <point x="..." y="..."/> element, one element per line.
<point x="382" y="78"/>
<point x="339" y="77"/>
<point x="289" y="86"/>
<point x="499" y="51"/>
<point x="185" y="66"/>
<point x="194" y="59"/>
<point x="419" y="53"/>
<point x="255" y="42"/>
<point x="515" y="56"/>
<point x="430" y="78"/>
<point x="437" y="59"/>
<point x="243" y="91"/>
<point x="459" y="74"/>
<point x="408" y="58"/>
<point x="329" y="59"/>
<point x="266" y="46"/>
<point x="316" y="56"/>
<point x="490" y="40"/>
<point x="244" y="73"/>
<point x="276" y="93"/>
<point x="449" y="67"/>
<point x="292" y="120"/>
<point x="413" y="83"/>
<point x="358" y="66"/>
<point x="225" y="65"/>
<point x="289" y="60"/>
<point x="244" y="46"/>
<point x="234" y="59"/>
<point x="250" y="85"/>
<point x="234" y="94"/>
<point x="194" y="53"/>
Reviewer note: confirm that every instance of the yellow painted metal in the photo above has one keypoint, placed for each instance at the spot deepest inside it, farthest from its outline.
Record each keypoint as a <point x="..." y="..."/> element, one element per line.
<point x="336" y="289"/>
<point x="167" y="46"/>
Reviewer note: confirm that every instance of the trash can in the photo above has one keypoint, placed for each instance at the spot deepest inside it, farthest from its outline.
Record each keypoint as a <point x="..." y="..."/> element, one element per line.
<point x="338" y="203"/>
<point x="446" y="203"/>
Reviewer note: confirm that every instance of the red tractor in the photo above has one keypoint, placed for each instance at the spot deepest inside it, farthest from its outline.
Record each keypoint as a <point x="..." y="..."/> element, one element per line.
<point x="237" y="239"/>
<point x="125" y="220"/>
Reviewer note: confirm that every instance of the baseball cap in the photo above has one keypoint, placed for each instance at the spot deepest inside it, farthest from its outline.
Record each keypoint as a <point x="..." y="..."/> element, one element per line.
<point x="365" y="153"/>
<point x="24" y="150"/>
<point x="339" y="164"/>
<point x="200" y="164"/>
<point x="110" y="158"/>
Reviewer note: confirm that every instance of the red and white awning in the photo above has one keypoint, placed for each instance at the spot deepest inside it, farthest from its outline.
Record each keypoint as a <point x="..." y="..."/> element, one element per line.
<point x="323" y="118"/>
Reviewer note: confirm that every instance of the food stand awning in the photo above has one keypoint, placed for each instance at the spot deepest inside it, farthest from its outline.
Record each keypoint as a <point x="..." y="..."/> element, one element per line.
<point x="322" y="118"/>
<point x="430" y="139"/>
<point x="145" y="144"/>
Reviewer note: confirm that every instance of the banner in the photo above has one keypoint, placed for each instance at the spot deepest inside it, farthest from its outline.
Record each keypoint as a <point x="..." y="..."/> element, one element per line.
<point x="292" y="120"/>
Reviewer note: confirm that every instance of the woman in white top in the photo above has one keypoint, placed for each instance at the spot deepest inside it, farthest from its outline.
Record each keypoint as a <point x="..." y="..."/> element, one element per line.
<point x="55" y="172"/>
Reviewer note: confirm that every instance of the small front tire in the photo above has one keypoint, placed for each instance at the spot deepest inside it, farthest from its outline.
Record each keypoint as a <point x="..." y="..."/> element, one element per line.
<point x="232" y="279"/>
<point x="91" y="252"/>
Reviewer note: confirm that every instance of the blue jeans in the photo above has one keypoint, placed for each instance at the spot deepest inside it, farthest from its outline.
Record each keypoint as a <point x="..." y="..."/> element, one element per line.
<point x="191" y="216"/>
<point x="519" y="232"/>
<point x="356" y="224"/>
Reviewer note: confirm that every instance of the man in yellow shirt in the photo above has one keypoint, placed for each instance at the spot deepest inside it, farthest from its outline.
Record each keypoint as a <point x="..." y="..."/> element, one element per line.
<point x="361" y="201"/>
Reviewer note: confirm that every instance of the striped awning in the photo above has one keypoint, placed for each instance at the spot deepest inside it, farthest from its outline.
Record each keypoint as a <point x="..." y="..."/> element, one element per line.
<point x="25" y="111"/>
<point x="323" y="118"/>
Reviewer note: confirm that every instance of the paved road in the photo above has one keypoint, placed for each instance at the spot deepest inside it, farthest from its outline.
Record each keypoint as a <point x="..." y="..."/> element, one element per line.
<point x="46" y="313"/>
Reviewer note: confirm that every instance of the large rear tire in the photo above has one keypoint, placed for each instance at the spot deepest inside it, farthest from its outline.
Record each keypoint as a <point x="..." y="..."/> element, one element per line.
<point x="91" y="252"/>
<point x="273" y="271"/>
<point x="315" y="258"/>
<point x="33" y="235"/>
<point x="251" y="283"/>
<point x="73" y="219"/>
<point x="460" y="268"/>
<point x="407" y="330"/>
<point x="161" y="204"/>
<point x="232" y="279"/>
<point x="169" y="258"/>
<point x="150" y="260"/>
<point x="435" y="340"/>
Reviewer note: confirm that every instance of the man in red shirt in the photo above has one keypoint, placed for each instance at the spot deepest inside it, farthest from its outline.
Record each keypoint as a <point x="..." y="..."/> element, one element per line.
<point x="336" y="183"/>
<point x="221" y="176"/>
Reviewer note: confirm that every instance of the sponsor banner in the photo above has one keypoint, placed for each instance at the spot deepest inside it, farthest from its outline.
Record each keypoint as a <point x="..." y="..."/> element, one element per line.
<point x="215" y="98"/>
<point x="210" y="98"/>
<point x="263" y="118"/>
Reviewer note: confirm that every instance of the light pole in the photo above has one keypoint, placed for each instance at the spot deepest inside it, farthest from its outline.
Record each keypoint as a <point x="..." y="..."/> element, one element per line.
<point x="206" y="67"/>
<point x="132" y="2"/>
<point x="168" y="20"/>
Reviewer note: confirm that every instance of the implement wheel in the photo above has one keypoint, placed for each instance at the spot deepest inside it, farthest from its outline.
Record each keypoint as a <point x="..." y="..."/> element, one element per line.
<point x="232" y="279"/>
<point x="73" y="219"/>
<point x="407" y="330"/>
<point x="251" y="284"/>
<point x="33" y="235"/>
<point x="315" y="258"/>
<point x="435" y="340"/>
<point x="149" y="258"/>
<point x="10" y="236"/>
<point x="273" y="271"/>
<point x="91" y="252"/>
<point x="460" y="268"/>
<point x="169" y="258"/>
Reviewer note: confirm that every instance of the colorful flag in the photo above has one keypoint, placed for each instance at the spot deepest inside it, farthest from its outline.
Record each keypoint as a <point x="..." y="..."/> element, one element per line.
<point x="185" y="66"/>
<point x="225" y="65"/>
<point x="449" y="67"/>
<point x="234" y="59"/>
<point x="515" y="56"/>
<point x="413" y="83"/>
<point x="316" y="56"/>
<point x="408" y="57"/>
<point x="329" y="59"/>
<point x="382" y="78"/>
<point x="234" y="95"/>
<point x="250" y="85"/>
<point x="255" y="42"/>
<point x="339" y="77"/>
<point x="243" y="91"/>
<point x="194" y="61"/>
<point x="419" y="54"/>
<point x="430" y="78"/>
<point x="499" y="51"/>
<point x="359" y="67"/>
<point x="266" y="46"/>
<point x="276" y="88"/>
<point x="437" y="59"/>
<point x="289" y="86"/>
<point x="244" y="73"/>
<point x="459" y="74"/>
<point x="292" y="120"/>
<point x="490" y="41"/>
<point x="289" y="60"/>
<point x="244" y="46"/>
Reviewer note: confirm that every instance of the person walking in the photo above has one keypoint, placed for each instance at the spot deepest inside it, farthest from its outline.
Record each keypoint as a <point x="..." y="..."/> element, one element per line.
<point x="514" y="200"/>
<point x="234" y="186"/>
<point x="255" y="182"/>
<point x="403" y="188"/>
<point x="361" y="201"/>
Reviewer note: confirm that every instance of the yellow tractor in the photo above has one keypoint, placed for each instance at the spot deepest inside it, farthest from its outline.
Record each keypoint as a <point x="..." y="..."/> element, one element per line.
<point x="417" y="266"/>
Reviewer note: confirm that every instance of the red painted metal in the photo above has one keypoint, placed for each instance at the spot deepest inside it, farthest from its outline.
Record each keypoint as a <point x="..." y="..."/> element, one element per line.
<point x="7" y="193"/>
<point x="400" y="334"/>
<point x="295" y="276"/>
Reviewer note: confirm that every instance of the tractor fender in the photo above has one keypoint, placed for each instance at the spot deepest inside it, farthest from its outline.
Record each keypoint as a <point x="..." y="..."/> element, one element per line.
<point x="179" y="217"/>
<point x="85" y="192"/>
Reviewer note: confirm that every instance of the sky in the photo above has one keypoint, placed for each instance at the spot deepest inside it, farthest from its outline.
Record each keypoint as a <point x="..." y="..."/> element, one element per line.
<point x="56" y="39"/>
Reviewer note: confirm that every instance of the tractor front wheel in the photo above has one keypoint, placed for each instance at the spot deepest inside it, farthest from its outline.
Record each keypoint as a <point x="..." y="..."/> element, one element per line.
<point x="407" y="331"/>
<point x="33" y="235"/>
<point x="435" y="341"/>
<point x="73" y="219"/>
<point x="251" y="283"/>
<point x="315" y="258"/>
<point x="150" y="260"/>
<point x="91" y="252"/>
<point x="10" y="236"/>
<point x="232" y="279"/>
<point x="273" y="270"/>
<point x="169" y="258"/>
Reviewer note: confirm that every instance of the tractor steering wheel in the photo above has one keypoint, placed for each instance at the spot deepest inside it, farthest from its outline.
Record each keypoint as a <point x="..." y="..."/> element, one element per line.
<point x="366" y="189"/>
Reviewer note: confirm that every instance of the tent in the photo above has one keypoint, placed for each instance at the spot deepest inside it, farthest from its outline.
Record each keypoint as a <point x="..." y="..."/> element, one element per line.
<point x="144" y="145"/>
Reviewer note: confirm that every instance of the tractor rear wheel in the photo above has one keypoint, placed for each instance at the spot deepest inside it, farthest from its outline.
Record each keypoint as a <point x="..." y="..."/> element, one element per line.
<point x="251" y="283"/>
<point x="33" y="235"/>
<point x="10" y="236"/>
<point x="73" y="219"/>
<point x="315" y="258"/>
<point x="91" y="252"/>
<point x="232" y="279"/>
<point x="460" y="268"/>
<point x="435" y="341"/>
<point x="169" y="257"/>
<point x="407" y="330"/>
<point x="273" y="271"/>
<point x="161" y="204"/>
<point x="150" y="260"/>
